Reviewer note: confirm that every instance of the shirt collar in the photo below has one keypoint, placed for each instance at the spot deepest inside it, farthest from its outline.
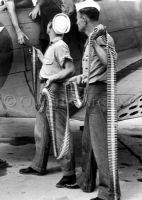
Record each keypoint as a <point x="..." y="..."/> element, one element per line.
<point x="56" y="39"/>
<point x="86" y="43"/>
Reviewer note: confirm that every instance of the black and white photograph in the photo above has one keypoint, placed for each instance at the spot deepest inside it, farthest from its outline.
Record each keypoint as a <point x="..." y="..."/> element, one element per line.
<point x="70" y="99"/>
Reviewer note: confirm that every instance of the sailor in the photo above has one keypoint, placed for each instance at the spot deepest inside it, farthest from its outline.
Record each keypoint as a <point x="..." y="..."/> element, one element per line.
<point x="94" y="138"/>
<point x="51" y="123"/>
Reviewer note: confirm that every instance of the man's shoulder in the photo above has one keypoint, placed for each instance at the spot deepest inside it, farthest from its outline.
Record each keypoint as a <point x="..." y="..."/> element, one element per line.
<point x="60" y="43"/>
<point x="102" y="41"/>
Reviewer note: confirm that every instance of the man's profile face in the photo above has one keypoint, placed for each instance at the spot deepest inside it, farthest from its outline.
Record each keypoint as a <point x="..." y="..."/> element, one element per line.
<point x="80" y="22"/>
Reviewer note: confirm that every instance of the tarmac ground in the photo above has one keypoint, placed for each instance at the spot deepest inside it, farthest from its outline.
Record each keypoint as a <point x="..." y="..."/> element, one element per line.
<point x="18" y="152"/>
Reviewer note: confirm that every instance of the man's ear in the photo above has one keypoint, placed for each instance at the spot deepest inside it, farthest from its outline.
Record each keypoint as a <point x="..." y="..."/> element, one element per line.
<point x="84" y="17"/>
<point x="50" y="24"/>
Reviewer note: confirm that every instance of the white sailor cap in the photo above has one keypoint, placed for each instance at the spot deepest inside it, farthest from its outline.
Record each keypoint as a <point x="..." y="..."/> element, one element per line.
<point x="87" y="4"/>
<point x="61" y="23"/>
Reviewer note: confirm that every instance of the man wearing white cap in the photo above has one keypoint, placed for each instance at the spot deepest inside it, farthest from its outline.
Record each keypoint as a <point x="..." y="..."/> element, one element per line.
<point x="94" y="63"/>
<point x="56" y="68"/>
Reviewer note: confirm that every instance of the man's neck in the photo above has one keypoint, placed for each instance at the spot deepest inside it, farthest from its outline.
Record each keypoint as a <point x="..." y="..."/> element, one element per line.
<point x="90" y="27"/>
<point x="52" y="35"/>
<point x="54" y="38"/>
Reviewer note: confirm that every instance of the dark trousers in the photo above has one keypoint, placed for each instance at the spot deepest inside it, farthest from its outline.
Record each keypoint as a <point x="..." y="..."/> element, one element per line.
<point x="94" y="144"/>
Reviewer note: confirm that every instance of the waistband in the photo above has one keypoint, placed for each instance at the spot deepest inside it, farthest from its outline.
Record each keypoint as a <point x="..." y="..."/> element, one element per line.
<point x="43" y="80"/>
<point x="98" y="83"/>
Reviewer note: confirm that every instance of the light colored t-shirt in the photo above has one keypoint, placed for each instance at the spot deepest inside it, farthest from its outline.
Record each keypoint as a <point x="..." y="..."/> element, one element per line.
<point x="54" y="58"/>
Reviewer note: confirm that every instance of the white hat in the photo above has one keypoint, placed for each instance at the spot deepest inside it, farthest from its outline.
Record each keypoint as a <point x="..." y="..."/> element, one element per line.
<point x="61" y="23"/>
<point x="87" y="4"/>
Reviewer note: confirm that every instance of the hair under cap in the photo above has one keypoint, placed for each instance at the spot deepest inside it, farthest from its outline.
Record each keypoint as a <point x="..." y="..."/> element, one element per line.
<point x="87" y="4"/>
<point x="61" y="23"/>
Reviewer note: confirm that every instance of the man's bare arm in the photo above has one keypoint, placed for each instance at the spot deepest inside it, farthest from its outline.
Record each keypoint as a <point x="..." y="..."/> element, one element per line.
<point x="66" y="73"/>
<point x="11" y="10"/>
<point x="101" y="53"/>
<point x="36" y="11"/>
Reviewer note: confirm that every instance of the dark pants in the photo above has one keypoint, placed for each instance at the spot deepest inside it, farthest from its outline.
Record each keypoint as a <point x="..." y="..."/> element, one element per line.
<point x="43" y="135"/>
<point x="94" y="144"/>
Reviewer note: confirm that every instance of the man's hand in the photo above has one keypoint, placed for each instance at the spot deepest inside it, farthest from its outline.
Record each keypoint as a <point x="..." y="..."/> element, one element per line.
<point x="21" y="37"/>
<point x="77" y="79"/>
<point x="99" y="30"/>
<point x="72" y="79"/>
<point x="35" y="12"/>
<point x="49" y="81"/>
<point x="39" y="54"/>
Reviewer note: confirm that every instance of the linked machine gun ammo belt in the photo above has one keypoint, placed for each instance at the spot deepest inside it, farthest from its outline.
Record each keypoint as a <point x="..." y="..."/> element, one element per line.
<point x="111" y="106"/>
